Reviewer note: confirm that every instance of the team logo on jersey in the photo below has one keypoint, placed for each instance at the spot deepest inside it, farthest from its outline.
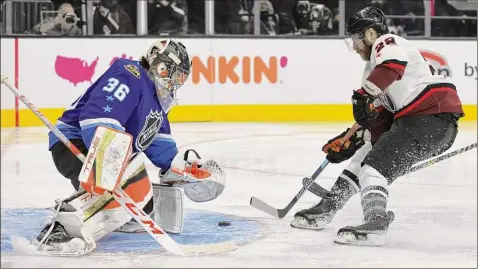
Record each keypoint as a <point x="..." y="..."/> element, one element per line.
<point x="151" y="127"/>
<point x="133" y="69"/>
<point x="438" y="62"/>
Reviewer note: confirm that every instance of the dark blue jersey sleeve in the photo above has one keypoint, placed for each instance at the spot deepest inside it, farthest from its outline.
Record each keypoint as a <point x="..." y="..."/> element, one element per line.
<point x="112" y="100"/>
<point x="163" y="149"/>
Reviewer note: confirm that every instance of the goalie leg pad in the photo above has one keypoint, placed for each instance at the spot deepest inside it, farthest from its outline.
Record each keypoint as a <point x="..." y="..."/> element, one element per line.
<point x="102" y="214"/>
<point x="168" y="207"/>
<point x="64" y="234"/>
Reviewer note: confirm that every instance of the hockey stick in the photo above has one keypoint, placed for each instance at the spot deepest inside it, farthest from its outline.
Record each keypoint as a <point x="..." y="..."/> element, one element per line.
<point x="124" y="200"/>
<point x="323" y="193"/>
<point x="280" y="213"/>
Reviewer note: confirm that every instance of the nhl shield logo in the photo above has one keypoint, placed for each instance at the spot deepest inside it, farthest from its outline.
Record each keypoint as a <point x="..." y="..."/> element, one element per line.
<point x="151" y="127"/>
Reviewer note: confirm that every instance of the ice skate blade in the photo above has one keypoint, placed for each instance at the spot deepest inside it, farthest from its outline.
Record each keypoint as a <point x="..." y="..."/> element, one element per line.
<point x="371" y="240"/>
<point x="302" y="224"/>
<point x="74" y="248"/>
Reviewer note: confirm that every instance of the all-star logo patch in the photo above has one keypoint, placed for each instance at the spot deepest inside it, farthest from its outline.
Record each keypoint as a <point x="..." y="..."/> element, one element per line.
<point x="151" y="127"/>
<point x="133" y="69"/>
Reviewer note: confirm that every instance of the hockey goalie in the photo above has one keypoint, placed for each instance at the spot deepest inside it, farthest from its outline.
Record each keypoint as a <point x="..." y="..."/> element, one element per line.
<point x="123" y="116"/>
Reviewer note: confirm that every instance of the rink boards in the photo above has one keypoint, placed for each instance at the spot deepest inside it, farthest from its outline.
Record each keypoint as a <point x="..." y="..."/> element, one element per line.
<point x="231" y="80"/>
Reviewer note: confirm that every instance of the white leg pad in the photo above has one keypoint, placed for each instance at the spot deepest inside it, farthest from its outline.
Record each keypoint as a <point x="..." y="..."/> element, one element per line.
<point x="72" y="222"/>
<point x="96" y="221"/>
<point x="168" y="207"/>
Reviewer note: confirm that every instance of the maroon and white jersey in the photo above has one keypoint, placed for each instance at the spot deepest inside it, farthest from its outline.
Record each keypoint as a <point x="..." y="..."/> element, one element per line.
<point x="415" y="87"/>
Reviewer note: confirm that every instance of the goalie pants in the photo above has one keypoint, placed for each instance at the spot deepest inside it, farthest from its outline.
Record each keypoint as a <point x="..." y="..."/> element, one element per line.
<point x="70" y="166"/>
<point x="411" y="139"/>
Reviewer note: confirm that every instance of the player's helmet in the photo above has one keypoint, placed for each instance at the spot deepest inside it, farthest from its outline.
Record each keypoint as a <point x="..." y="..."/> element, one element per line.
<point x="369" y="17"/>
<point x="169" y="65"/>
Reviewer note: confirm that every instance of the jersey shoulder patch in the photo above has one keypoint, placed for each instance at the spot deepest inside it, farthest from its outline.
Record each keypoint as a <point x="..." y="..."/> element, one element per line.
<point x="133" y="69"/>
<point x="128" y="72"/>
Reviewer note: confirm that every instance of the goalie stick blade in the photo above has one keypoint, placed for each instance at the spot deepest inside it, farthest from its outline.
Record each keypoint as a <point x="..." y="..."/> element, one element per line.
<point x="262" y="206"/>
<point x="209" y="249"/>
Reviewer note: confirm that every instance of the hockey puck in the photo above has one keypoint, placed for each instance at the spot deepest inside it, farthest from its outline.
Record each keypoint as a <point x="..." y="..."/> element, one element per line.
<point x="224" y="223"/>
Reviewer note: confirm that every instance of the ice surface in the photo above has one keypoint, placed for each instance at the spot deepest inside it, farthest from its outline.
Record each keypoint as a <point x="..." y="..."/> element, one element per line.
<point x="435" y="208"/>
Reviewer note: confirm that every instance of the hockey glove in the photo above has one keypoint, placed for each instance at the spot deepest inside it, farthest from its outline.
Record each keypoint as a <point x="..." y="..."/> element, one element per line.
<point x="337" y="153"/>
<point x="363" y="108"/>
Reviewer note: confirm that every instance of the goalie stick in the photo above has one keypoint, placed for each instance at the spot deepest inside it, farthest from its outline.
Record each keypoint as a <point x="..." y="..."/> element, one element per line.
<point x="323" y="193"/>
<point x="280" y="213"/>
<point x="159" y="235"/>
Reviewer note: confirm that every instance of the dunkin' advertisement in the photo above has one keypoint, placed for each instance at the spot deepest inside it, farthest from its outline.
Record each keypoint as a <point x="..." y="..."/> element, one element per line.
<point x="53" y="72"/>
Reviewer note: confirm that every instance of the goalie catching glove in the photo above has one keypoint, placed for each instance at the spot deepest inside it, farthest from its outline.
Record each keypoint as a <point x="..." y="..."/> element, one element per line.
<point x="202" y="181"/>
<point x="338" y="151"/>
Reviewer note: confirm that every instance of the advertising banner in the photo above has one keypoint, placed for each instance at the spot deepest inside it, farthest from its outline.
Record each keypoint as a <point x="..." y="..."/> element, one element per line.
<point x="227" y="72"/>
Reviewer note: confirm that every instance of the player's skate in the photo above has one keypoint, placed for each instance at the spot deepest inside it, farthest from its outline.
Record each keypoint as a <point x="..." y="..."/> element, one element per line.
<point x="56" y="241"/>
<point x="371" y="233"/>
<point x="318" y="216"/>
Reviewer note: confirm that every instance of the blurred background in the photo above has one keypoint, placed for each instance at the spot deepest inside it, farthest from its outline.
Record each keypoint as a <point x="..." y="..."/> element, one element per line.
<point x="314" y="18"/>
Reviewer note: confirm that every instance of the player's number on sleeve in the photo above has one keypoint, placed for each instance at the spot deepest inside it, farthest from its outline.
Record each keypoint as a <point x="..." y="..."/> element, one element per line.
<point x="120" y="90"/>
<point x="387" y="41"/>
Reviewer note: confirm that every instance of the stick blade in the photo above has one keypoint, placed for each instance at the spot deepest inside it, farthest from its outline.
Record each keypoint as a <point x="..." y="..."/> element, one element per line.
<point x="209" y="249"/>
<point x="262" y="206"/>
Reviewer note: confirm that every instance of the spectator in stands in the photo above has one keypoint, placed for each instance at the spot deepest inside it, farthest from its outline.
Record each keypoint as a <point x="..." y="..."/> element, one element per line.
<point x="75" y="3"/>
<point x="130" y="7"/>
<point x="64" y="23"/>
<point x="447" y="27"/>
<point x="196" y="16"/>
<point x="237" y="16"/>
<point x="234" y="17"/>
<point x="395" y="29"/>
<point x="285" y="16"/>
<point x="110" y="18"/>
<point x="314" y="19"/>
<point x="167" y="17"/>
<point x="404" y="26"/>
<point x="269" y="19"/>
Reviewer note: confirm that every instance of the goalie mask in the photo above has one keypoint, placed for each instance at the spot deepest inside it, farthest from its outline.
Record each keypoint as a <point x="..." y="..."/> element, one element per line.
<point x="170" y="65"/>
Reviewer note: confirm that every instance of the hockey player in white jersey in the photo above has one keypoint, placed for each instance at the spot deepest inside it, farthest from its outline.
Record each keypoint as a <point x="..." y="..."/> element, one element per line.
<point x="407" y="114"/>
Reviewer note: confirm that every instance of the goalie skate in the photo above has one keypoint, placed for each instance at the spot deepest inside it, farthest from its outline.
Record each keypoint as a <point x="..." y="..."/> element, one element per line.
<point x="371" y="233"/>
<point x="59" y="243"/>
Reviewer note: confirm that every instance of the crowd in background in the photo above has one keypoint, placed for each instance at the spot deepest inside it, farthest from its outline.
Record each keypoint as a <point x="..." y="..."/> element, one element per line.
<point x="277" y="17"/>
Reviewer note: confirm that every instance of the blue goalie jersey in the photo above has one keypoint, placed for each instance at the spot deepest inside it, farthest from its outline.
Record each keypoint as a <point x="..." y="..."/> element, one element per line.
<point x="123" y="98"/>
